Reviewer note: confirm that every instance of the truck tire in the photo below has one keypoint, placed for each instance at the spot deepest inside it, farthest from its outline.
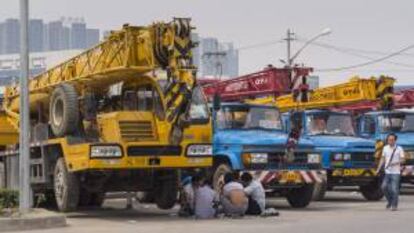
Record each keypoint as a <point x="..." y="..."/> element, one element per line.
<point x="320" y="189"/>
<point x="372" y="191"/>
<point x="218" y="175"/>
<point x="66" y="187"/>
<point x="300" y="197"/>
<point x="165" y="193"/>
<point x="64" y="110"/>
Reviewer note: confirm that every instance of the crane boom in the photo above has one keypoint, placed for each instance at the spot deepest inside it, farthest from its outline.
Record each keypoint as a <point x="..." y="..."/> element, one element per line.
<point x="126" y="54"/>
<point x="351" y="92"/>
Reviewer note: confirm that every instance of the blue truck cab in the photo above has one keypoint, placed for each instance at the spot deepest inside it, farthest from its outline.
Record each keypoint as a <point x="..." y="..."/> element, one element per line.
<point x="347" y="158"/>
<point x="251" y="138"/>
<point x="376" y="125"/>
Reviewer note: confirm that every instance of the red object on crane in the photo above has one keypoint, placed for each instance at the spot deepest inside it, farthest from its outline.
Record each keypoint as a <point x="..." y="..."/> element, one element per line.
<point x="270" y="81"/>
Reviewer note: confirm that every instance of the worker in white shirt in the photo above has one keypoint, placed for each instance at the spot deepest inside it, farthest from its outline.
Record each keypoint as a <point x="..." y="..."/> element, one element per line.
<point x="391" y="160"/>
<point x="255" y="193"/>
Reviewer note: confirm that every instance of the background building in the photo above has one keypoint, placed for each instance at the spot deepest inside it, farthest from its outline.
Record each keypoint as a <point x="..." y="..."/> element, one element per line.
<point x="313" y="81"/>
<point x="38" y="63"/>
<point x="63" y="34"/>
<point x="215" y="58"/>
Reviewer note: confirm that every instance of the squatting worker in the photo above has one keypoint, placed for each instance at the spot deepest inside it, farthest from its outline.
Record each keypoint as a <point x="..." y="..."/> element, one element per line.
<point x="233" y="199"/>
<point x="391" y="160"/>
<point x="256" y="194"/>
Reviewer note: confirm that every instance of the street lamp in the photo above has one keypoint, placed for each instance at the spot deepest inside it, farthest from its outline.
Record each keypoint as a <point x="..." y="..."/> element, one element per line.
<point x="290" y="60"/>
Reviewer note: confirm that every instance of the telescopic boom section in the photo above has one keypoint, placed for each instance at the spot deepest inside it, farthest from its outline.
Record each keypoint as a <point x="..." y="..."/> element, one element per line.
<point x="354" y="91"/>
<point x="124" y="55"/>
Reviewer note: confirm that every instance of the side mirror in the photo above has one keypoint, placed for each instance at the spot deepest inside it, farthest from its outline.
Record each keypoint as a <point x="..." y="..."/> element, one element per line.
<point x="216" y="102"/>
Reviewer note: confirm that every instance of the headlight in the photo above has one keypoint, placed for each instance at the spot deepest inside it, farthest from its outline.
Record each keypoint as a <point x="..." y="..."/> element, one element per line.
<point x="314" y="158"/>
<point x="250" y="158"/>
<point x="105" y="151"/>
<point x="347" y="156"/>
<point x="258" y="157"/>
<point x="338" y="156"/>
<point x="199" y="150"/>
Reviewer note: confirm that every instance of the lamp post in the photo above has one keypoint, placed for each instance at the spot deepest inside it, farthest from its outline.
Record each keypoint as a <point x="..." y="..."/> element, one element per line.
<point x="289" y="38"/>
<point x="24" y="153"/>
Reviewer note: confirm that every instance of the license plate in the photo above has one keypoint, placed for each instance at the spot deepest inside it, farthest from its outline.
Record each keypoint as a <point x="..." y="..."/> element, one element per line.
<point x="349" y="172"/>
<point x="291" y="176"/>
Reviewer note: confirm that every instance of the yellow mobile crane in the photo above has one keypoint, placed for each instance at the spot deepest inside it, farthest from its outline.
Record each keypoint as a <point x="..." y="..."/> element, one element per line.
<point x="105" y="120"/>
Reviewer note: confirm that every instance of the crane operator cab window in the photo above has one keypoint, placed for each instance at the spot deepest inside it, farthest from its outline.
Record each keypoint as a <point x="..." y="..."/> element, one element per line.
<point x="330" y="124"/>
<point x="146" y="99"/>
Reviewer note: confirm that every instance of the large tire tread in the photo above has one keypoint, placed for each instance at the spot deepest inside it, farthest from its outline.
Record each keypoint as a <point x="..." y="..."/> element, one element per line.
<point x="69" y="199"/>
<point x="70" y="123"/>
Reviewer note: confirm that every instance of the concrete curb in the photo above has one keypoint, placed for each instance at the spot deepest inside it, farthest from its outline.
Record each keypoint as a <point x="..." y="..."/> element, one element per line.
<point x="37" y="219"/>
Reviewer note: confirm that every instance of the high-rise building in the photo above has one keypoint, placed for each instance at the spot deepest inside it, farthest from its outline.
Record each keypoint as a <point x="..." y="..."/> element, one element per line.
<point x="78" y="35"/>
<point x="1" y="38"/>
<point x="55" y="34"/>
<point x="92" y="37"/>
<point x="36" y="35"/>
<point x="10" y="36"/>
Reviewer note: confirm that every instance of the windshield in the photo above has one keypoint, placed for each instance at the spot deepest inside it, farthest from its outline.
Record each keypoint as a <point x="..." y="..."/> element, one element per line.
<point x="330" y="124"/>
<point x="248" y="117"/>
<point x="397" y="123"/>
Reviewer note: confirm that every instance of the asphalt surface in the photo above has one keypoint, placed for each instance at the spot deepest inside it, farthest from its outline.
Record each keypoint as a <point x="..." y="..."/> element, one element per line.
<point x="342" y="211"/>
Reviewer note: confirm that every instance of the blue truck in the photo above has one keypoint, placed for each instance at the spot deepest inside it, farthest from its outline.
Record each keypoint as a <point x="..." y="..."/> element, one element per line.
<point x="251" y="138"/>
<point x="376" y="125"/>
<point x="347" y="158"/>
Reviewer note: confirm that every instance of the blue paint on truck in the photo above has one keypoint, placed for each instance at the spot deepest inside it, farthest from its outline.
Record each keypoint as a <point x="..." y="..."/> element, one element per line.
<point x="251" y="138"/>
<point x="347" y="158"/>
<point x="376" y="125"/>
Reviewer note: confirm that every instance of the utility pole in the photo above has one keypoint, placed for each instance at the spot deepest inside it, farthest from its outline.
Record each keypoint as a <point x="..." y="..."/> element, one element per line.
<point x="24" y="150"/>
<point x="289" y="38"/>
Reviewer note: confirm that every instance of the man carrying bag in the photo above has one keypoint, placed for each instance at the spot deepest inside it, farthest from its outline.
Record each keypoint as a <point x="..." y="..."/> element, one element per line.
<point x="390" y="163"/>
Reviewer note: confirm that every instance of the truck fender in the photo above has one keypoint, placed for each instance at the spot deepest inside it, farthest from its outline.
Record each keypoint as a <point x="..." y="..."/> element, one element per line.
<point x="233" y="161"/>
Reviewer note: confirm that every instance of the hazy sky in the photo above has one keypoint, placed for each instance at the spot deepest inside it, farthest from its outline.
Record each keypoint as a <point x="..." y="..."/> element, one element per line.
<point x="377" y="25"/>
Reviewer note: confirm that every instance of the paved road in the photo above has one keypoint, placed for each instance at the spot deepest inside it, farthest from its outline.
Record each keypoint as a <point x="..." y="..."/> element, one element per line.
<point x="342" y="211"/>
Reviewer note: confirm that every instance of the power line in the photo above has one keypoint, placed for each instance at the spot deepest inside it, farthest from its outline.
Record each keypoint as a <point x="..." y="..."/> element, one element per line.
<point x="263" y="44"/>
<point x="367" y="63"/>
<point x="357" y="50"/>
<point x="355" y="54"/>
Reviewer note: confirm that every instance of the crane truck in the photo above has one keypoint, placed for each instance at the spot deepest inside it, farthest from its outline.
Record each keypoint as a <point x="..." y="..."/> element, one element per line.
<point x="375" y="124"/>
<point x="251" y="138"/>
<point x="348" y="158"/>
<point x="105" y="120"/>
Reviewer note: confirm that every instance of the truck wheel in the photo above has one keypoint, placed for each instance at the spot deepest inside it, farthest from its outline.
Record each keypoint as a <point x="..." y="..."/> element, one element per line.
<point x="320" y="189"/>
<point x="372" y="191"/>
<point x="218" y="175"/>
<point x="300" y="197"/>
<point x="64" y="110"/>
<point x="66" y="187"/>
<point x="165" y="194"/>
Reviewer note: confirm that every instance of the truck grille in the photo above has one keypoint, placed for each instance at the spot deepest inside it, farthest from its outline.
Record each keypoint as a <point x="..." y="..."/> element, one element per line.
<point x="136" y="131"/>
<point x="362" y="157"/>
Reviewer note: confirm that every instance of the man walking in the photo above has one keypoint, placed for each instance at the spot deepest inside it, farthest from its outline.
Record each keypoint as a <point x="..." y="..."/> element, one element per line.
<point x="391" y="160"/>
